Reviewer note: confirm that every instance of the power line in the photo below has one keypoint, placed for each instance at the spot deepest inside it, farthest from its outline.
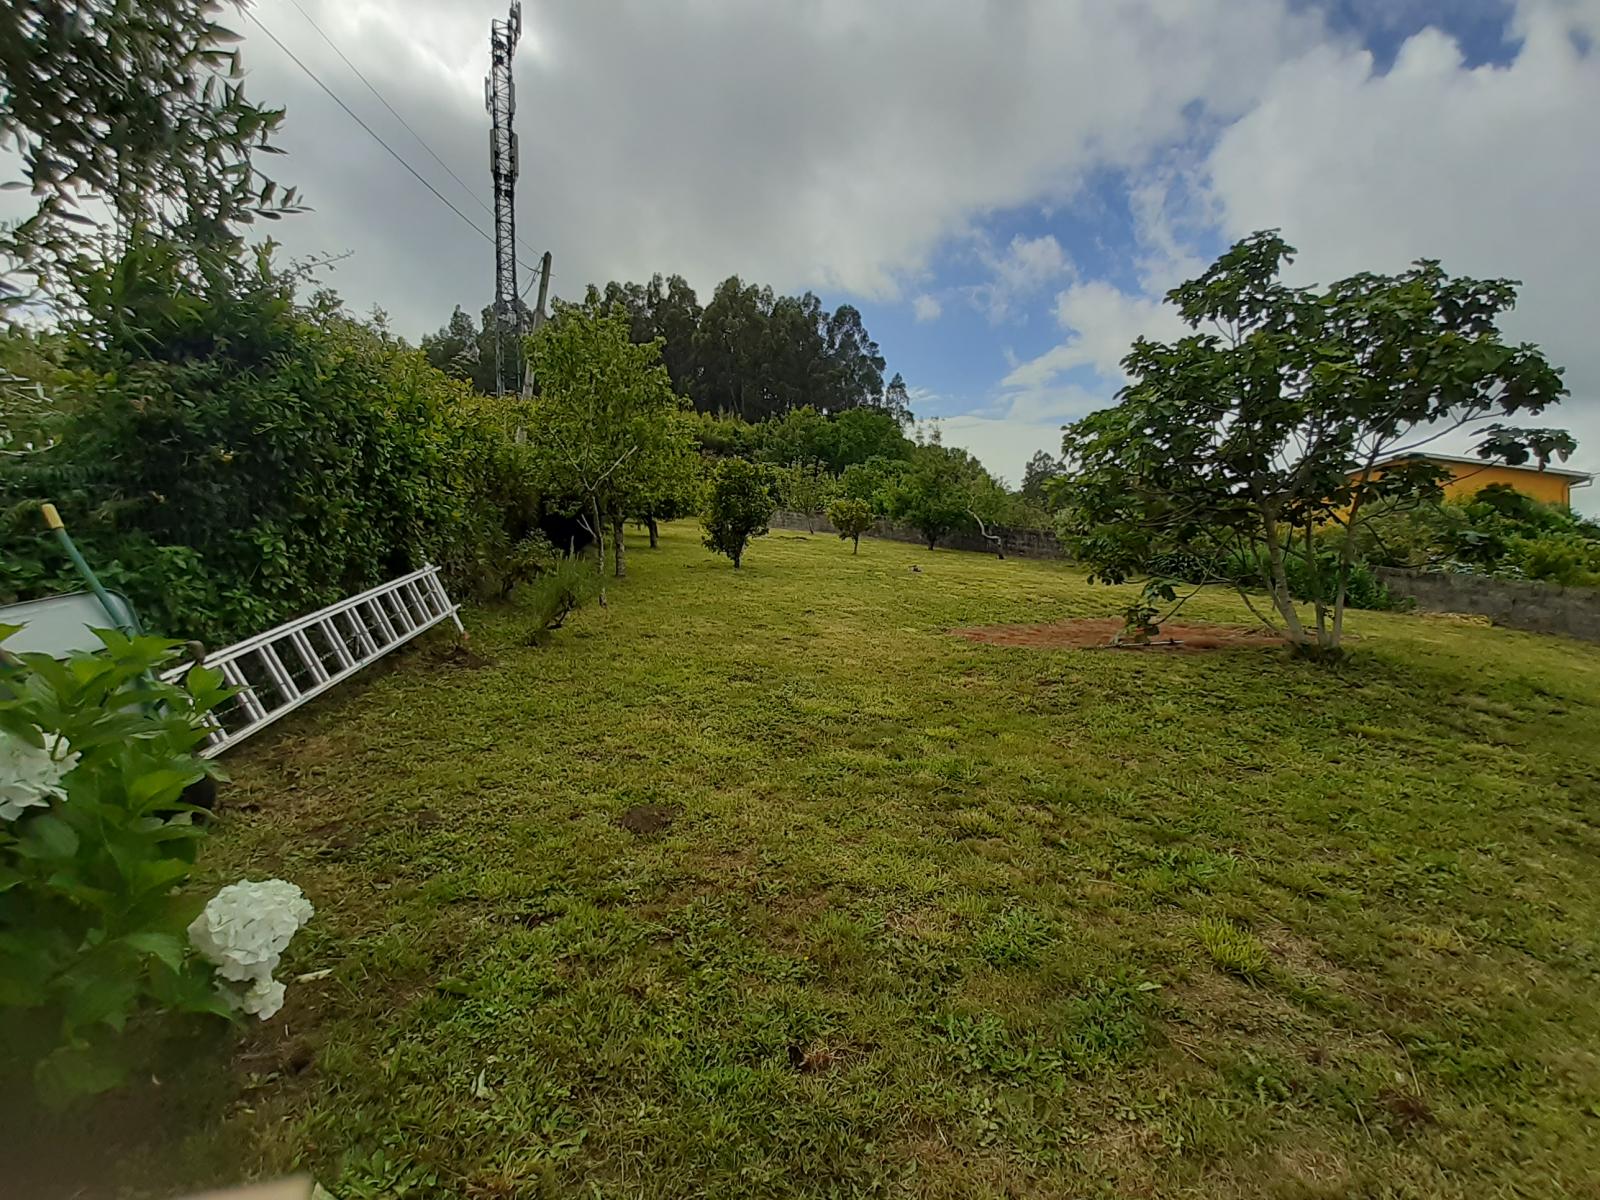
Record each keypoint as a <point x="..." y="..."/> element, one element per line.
<point x="332" y="95"/>
<point x="420" y="140"/>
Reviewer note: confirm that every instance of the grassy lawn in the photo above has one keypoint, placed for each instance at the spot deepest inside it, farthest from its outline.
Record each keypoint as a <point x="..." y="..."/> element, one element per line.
<point x="930" y="918"/>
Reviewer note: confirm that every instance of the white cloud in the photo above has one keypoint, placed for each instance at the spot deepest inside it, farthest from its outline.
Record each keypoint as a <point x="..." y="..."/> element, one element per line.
<point x="1008" y="433"/>
<point x="1017" y="273"/>
<point x="832" y="145"/>
<point x="1102" y="322"/>
<point x="1492" y="170"/>
<point x="927" y="308"/>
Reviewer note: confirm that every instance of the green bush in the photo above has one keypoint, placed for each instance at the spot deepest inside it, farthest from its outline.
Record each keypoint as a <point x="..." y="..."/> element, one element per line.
<point x="230" y="459"/>
<point x="739" y="503"/>
<point x="95" y="836"/>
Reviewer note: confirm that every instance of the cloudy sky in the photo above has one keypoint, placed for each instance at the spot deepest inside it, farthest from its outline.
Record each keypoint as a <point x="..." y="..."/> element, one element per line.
<point x="1004" y="188"/>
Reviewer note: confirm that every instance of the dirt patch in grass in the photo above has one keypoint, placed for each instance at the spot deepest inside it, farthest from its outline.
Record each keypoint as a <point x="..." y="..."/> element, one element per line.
<point x="1096" y="633"/>
<point x="645" y="818"/>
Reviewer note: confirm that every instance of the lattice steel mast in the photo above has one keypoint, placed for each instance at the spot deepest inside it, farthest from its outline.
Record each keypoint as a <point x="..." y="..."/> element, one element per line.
<point x="500" y="98"/>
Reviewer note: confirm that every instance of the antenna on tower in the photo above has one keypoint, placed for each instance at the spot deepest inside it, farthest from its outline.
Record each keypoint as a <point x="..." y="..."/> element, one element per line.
<point x="500" y="98"/>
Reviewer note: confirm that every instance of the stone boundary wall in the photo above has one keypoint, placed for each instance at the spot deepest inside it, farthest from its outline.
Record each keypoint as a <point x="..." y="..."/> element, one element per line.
<point x="1030" y="544"/>
<point x="1515" y="603"/>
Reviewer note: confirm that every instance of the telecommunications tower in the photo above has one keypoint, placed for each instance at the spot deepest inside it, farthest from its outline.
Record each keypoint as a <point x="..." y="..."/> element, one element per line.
<point x="500" y="98"/>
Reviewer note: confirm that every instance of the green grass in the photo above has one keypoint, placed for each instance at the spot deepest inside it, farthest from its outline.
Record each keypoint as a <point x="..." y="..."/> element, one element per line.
<point x="931" y="918"/>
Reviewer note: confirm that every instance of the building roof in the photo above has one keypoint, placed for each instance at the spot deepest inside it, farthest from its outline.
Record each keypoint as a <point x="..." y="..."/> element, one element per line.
<point x="1484" y="462"/>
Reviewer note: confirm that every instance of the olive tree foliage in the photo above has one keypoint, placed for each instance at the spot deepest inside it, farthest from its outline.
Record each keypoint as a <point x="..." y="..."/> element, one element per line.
<point x="1270" y="421"/>
<point x="135" y="104"/>
<point x="606" y="423"/>
<point x="850" y="518"/>
<point x="740" y="500"/>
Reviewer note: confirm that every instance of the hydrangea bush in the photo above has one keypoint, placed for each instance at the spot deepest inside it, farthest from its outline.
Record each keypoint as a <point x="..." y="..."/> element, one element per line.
<point x="96" y="843"/>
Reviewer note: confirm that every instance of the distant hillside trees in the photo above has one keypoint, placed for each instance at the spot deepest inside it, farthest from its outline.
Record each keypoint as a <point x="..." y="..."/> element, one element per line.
<point x="748" y="353"/>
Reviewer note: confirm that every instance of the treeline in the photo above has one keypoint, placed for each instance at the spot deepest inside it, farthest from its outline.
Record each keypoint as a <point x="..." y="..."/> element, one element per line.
<point x="748" y="353"/>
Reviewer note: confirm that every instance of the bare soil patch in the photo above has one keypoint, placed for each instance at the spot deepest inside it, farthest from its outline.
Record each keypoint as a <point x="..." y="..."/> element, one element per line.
<point x="645" y="818"/>
<point x="1096" y="633"/>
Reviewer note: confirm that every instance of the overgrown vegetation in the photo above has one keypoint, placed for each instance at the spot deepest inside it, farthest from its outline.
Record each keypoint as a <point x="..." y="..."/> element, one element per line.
<point x="230" y="458"/>
<point x="925" y="916"/>
<point x="1498" y="531"/>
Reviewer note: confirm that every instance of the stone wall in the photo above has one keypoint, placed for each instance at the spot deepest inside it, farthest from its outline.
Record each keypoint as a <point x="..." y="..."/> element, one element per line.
<point x="1538" y="607"/>
<point x="1030" y="544"/>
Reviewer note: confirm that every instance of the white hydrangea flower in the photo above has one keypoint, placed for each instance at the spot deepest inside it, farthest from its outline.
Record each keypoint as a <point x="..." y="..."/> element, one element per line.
<point x="264" y="998"/>
<point x="243" y="932"/>
<point x="30" y="777"/>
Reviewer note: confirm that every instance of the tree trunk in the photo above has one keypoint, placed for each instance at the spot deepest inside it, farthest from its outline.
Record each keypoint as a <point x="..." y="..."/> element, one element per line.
<point x="655" y="532"/>
<point x="857" y="548"/>
<point x="736" y="556"/>
<point x="599" y="545"/>
<point x="1347" y="554"/>
<point x="931" y="541"/>
<point x="618" y="545"/>
<point x="1279" y="581"/>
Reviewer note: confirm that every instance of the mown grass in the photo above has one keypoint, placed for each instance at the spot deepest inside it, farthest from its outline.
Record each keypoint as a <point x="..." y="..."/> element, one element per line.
<point x="931" y="918"/>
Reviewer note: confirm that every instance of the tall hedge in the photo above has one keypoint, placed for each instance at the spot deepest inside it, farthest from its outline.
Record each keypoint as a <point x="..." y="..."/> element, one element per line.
<point x="230" y="459"/>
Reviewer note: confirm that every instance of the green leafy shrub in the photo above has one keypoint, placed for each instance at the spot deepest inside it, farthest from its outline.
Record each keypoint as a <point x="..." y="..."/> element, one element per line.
<point x="1498" y="532"/>
<point x="739" y="504"/>
<point x="1565" y="558"/>
<point x="230" y="459"/>
<point x="95" y="838"/>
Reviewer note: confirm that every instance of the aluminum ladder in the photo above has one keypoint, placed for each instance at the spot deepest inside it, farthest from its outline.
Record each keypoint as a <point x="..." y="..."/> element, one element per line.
<point x="276" y="672"/>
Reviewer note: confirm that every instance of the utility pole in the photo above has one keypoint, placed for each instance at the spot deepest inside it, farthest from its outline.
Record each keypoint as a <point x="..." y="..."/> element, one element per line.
<point x="539" y="317"/>
<point x="500" y="98"/>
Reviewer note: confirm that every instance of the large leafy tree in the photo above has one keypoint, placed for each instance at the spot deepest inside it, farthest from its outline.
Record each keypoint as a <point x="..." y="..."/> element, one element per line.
<point x="606" y="421"/>
<point x="1280" y="418"/>
<point x="137" y="105"/>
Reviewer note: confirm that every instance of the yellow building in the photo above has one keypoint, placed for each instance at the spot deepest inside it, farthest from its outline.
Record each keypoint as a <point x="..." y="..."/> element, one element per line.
<point x="1468" y="476"/>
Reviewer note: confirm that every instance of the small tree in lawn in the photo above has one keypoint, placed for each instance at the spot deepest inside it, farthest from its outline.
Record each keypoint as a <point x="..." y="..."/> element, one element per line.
<point x="1001" y="513"/>
<point x="851" y="518"/>
<point x="1278" y="422"/>
<point x="739" y="504"/>
<point x="606" y="419"/>
<point x="672" y="490"/>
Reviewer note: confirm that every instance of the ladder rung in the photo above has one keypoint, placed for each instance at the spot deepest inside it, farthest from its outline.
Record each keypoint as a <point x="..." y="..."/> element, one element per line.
<point x="308" y="656"/>
<point x="280" y="677"/>
<point x="336" y="643"/>
<point x="246" y="694"/>
<point x="383" y="623"/>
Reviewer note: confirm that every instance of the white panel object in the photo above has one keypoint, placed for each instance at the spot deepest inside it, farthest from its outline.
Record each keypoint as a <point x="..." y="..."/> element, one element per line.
<point x="278" y="671"/>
